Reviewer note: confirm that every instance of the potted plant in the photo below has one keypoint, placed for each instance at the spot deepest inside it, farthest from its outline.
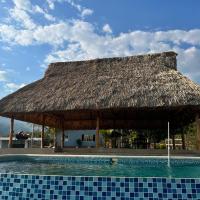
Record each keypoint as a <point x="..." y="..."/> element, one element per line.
<point x="79" y="142"/>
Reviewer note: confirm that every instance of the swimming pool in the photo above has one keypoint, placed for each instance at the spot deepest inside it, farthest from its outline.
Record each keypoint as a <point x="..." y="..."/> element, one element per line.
<point x="98" y="178"/>
<point x="101" y="166"/>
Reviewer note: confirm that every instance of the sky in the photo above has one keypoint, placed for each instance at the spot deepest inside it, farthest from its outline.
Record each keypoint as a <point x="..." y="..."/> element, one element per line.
<point x="34" y="33"/>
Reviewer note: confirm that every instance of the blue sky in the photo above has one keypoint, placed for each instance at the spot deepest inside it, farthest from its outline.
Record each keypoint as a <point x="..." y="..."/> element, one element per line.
<point x="34" y="33"/>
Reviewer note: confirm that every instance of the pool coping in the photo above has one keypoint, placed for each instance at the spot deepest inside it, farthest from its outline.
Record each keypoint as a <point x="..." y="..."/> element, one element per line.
<point x="101" y="156"/>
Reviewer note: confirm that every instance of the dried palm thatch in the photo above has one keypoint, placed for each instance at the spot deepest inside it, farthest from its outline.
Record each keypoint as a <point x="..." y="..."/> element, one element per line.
<point x="76" y="90"/>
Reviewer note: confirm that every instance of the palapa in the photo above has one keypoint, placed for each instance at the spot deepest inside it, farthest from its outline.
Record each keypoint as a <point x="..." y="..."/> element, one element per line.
<point x="121" y="90"/>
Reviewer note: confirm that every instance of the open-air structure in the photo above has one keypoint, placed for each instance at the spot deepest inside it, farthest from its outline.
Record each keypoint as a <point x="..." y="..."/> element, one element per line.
<point x="144" y="91"/>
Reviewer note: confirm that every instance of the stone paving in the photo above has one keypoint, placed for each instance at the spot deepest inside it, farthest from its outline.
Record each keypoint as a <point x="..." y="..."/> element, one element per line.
<point x="100" y="151"/>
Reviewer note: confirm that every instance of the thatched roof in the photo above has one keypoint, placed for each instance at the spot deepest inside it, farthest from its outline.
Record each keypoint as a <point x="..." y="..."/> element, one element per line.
<point x="137" y="82"/>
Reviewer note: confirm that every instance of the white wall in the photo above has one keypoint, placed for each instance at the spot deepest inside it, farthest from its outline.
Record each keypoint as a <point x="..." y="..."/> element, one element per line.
<point x="71" y="137"/>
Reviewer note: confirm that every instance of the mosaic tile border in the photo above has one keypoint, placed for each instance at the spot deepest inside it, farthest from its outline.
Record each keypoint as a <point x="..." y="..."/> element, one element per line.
<point x="24" y="187"/>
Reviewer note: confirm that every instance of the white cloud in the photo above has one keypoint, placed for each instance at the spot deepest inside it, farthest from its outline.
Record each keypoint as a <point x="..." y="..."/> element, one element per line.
<point x="13" y="86"/>
<point x="189" y="61"/>
<point x="82" y="10"/>
<point x="24" y="37"/>
<point x="22" y="17"/>
<point x="49" y="17"/>
<point x="83" y="33"/>
<point x="86" y="44"/>
<point x="107" y="28"/>
<point x="73" y="4"/>
<point x="22" y="12"/>
<point x="3" y="75"/>
<point x="51" y="4"/>
<point x="6" y="48"/>
<point x="38" y="9"/>
<point x="22" y="4"/>
<point x="73" y="52"/>
<point x="57" y="34"/>
<point x="79" y="40"/>
<point x="86" y="12"/>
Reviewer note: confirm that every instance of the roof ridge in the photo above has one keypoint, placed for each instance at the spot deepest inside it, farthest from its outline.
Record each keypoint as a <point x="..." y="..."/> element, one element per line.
<point x="164" y="53"/>
<point x="167" y="59"/>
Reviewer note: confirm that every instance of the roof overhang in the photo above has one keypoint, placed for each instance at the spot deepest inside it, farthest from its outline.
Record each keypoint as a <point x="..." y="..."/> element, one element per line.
<point x="141" y="118"/>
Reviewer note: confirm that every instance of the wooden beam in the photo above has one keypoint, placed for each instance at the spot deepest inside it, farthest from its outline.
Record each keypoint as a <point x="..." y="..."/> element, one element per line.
<point x="127" y="120"/>
<point x="42" y="133"/>
<point x="198" y="132"/>
<point x="11" y="132"/>
<point x="111" y="124"/>
<point x="97" y="131"/>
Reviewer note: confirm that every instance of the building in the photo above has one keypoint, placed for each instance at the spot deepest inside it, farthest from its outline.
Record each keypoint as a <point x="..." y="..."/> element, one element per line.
<point x="86" y="138"/>
<point x="144" y="91"/>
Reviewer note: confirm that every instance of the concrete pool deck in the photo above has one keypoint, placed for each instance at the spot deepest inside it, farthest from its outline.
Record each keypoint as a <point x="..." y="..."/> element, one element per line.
<point x="102" y="151"/>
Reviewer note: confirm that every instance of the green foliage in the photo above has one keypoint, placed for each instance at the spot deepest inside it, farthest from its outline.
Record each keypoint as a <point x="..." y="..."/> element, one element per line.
<point x="160" y="146"/>
<point x="107" y="136"/>
<point x="189" y="131"/>
<point x="190" y="134"/>
<point x="49" y="134"/>
<point x="106" y="133"/>
<point x="127" y="138"/>
<point x="133" y="135"/>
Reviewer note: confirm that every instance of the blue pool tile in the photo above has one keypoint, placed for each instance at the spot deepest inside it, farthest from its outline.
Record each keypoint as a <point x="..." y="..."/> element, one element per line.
<point x="60" y="187"/>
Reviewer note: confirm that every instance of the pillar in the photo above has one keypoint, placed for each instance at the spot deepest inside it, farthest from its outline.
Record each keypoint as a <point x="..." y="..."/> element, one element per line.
<point x="97" y="132"/>
<point x="58" y="143"/>
<point x="173" y="142"/>
<point x="32" y="135"/>
<point x="183" y="140"/>
<point x="63" y="135"/>
<point x="198" y="132"/>
<point x="42" y="133"/>
<point x="11" y="132"/>
<point x="26" y="145"/>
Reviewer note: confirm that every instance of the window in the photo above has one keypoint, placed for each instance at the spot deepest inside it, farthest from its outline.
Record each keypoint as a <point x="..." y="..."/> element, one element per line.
<point x="66" y="137"/>
<point x="87" y="138"/>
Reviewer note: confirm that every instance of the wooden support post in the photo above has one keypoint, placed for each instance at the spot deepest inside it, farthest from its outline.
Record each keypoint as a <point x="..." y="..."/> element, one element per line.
<point x="173" y="142"/>
<point x="42" y="133"/>
<point x="32" y="135"/>
<point x="198" y="132"/>
<point x="63" y="135"/>
<point x="183" y="140"/>
<point x="97" y="132"/>
<point x="11" y="132"/>
<point x="55" y="138"/>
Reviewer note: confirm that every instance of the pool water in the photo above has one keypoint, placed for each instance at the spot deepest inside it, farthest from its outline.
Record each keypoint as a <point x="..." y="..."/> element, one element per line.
<point x="82" y="166"/>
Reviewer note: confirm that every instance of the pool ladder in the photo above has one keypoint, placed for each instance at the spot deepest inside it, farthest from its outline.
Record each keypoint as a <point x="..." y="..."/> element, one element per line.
<point x="168" y="146"/>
